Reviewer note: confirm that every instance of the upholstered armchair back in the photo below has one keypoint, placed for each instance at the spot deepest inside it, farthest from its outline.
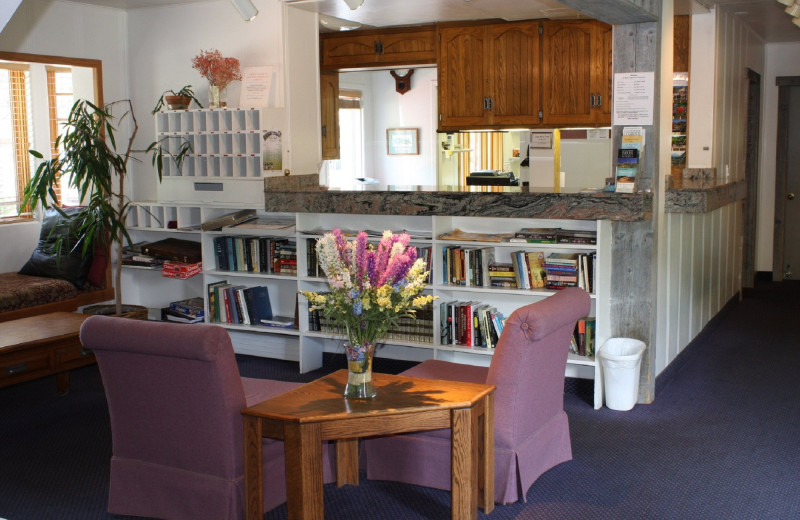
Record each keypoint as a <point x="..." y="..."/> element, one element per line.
<point x="529" y="363"/>
<point x="189" y="403"/>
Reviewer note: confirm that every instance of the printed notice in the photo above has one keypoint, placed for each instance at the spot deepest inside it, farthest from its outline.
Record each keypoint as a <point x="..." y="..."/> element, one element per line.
<point x="256" y="83"/>
<point x="633" y="98"/>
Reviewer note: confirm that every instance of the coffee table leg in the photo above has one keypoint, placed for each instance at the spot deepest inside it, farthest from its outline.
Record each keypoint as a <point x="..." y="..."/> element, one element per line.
<point x="253" y="469"/>
<point x="346" y="462"/>
<point x="303" y="452"/>
<point x="464" y="464"/>
<point x="487" y="455"/>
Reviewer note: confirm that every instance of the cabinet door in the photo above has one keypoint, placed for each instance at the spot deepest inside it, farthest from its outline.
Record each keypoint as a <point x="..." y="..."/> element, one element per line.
<point x="567" y="72"/>
<point x="408" y="48"/>
<point x="603" y="74"/>
<point x="352" y="50"/>
<point x="513" y="67"/>
<point x="329" y="108"/>
<point x="462" y="78"/>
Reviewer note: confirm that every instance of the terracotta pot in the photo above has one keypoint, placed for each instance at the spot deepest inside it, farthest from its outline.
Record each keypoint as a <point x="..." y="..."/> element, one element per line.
<point x="177" y="102"/>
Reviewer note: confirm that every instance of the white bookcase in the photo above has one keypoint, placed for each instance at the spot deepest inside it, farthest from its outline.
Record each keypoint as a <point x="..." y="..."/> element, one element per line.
<point x="307" y="346"/>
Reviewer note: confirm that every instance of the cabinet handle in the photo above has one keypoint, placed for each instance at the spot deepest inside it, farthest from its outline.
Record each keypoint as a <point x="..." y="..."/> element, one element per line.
<point x="325" y="131"/>
<point x="591" y="100"/>
<point x="599" y="100"/>
<point x="16" y="369"/>
<point x="488" y="103"/>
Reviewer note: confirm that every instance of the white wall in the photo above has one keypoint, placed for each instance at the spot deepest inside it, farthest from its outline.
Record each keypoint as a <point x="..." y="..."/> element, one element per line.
<point x="700" y="255"/>
<point x="781" y="60"/>
<point x="58" y="28"/>
<point x="162" y="42"/>
<point x="410" y="110"/>
<point x="701" y="80"/>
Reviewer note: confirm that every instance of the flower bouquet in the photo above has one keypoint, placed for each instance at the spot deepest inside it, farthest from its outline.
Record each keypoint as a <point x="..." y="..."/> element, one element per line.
<point x="371" y="288"/>
<point x="219" y="71"/>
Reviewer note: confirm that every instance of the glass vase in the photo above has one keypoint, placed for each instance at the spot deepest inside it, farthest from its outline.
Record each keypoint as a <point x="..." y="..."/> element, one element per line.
<point x="359" y="371"/>
<point x="217" y="97"/>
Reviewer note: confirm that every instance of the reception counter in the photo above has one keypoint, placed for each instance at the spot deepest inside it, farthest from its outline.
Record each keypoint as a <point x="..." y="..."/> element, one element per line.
<point x="699" y="190"/>
<point x="517" y="202"/>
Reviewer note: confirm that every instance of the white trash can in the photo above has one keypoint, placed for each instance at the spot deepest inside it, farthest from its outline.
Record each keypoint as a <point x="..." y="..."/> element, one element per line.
<point x="621" y="359"/>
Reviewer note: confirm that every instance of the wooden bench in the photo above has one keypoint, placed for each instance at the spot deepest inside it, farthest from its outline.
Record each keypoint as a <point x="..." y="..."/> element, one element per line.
<point x="41" y="346"/>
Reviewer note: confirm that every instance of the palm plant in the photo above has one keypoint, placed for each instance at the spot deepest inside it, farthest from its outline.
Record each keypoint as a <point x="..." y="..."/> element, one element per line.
<point x="97" y="169"/>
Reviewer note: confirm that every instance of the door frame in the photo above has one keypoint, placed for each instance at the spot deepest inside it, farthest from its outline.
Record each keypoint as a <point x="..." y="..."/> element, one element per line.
<point x="784" y="83"/>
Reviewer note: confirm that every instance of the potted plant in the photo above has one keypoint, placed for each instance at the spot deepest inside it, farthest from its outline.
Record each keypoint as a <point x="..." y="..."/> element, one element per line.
<point x="179" y="100"/>
<point x="97" y="166"/>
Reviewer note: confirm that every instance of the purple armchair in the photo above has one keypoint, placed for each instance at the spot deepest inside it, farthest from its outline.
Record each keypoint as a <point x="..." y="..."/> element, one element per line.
<point x="175" y="399"/>
<point x="531" y="427"/>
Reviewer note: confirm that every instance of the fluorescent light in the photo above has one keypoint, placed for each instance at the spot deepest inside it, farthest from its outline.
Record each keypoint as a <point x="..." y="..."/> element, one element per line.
<point x="796" y="21"/>
<point x="786" y="2"/>
<point x="354" y="4"/>
<point x="246" y="9"/>
<point x="337" y="24"/>
<point x="794" y="9"/>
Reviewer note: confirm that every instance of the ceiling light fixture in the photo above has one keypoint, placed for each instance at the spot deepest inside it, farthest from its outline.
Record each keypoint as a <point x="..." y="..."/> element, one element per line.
<point x="796" y="21"/>
<point x="337" y="24"/>
<point x="246" y="9"/>
<point x="794" y="9"/>
<point x="354" y="4"/>
<point x="786" y="2"/>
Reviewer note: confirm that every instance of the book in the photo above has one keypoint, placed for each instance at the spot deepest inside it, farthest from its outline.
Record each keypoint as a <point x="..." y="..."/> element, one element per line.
<point x="258" y="303"/>
<point x="213" y="299"/>
<point x="168" y="314"/>
<point x="175" y="249"/>
<point x="229" y="219"/>
<point x="189" y="306"/>
<point x="281" y="322"/>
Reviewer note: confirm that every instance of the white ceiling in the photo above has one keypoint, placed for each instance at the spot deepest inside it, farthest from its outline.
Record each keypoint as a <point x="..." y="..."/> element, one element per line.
<point x="765" y="17"/>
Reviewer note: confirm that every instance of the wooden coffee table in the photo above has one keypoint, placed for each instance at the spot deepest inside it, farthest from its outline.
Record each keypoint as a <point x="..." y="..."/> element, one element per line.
<point x="305" y="416"/>
<point x="41" y="346"/>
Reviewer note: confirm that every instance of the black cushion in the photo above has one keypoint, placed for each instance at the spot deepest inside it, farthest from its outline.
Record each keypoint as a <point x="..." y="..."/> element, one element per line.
<point x="70" y="265"/>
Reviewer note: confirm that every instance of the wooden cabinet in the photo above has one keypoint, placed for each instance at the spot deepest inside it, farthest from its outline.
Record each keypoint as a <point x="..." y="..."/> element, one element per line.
<point x="385" y="47"/>
<point x="576" y="72"/>
<point x="329" y="91"/>
<point x="489" y="76"/>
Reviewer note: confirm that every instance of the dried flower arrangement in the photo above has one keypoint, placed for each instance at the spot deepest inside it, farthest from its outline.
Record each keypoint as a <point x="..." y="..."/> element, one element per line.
<point x="218" y="70"/>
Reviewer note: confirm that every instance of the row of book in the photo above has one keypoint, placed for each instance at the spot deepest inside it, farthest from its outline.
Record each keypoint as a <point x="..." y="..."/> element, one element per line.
<point x="554" y="236"/>
<point x="238" y="304"/>
<point x="266" y="255"/>
<point x="470" y="324"/>
<point x="417" y="330"/>
<point x="570" y="270"/>
<point x="583" y="338"/>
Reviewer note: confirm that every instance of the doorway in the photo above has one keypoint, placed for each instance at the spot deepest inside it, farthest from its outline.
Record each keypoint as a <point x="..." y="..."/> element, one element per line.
<point x="786" y="249"/>
<point x="751" y="177"/>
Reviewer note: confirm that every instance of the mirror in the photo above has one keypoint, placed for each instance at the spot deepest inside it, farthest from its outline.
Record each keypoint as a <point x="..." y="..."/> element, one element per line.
<point x="370" y="105"/>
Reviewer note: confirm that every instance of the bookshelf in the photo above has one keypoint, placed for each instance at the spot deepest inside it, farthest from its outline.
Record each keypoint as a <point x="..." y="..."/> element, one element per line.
<point x="306" y="345"/>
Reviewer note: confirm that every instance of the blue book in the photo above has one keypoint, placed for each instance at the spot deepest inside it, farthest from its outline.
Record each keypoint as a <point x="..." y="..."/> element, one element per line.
<point x="258" y="304"/>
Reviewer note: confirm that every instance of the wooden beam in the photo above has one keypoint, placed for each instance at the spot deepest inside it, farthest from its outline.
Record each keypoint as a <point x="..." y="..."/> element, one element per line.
<point x="618" y="12"/>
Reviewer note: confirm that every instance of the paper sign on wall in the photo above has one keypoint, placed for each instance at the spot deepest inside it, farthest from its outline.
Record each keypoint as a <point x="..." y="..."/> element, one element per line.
<point x="256" y="84"/>
<point x="633" y="98"/>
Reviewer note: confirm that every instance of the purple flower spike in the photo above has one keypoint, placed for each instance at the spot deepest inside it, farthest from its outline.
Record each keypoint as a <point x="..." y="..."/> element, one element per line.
<point x="360" y="258"/>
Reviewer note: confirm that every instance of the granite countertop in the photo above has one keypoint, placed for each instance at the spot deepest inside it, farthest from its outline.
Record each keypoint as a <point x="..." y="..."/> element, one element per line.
<point x="699" y="190"/>
<point x="517" y="202"/>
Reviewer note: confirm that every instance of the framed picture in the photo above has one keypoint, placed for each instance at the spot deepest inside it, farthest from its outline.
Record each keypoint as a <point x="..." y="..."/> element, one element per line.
<point x="402" y="141"/>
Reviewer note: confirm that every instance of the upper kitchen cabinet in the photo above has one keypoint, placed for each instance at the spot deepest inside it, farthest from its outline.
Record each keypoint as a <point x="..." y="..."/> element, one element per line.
<point x="329" y="92"/>
<point x="576" y="73"/>
<point x="489" y="75"/>
<point x="378" y="48"/>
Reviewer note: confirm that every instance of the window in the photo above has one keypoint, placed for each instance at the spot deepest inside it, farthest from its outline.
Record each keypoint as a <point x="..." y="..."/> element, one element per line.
<point x="350" y="165"/>
<point x="36" y="95"/>
<point x="15" y="138"/>
<point x="486" y="154"/>
<point x="60" y="99"/>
